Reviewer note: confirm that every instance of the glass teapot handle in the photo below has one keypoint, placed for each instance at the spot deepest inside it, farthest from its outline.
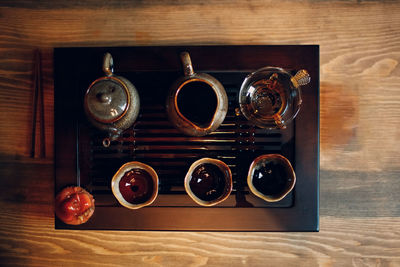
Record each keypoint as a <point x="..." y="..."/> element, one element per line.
<point x="301" y="78"/>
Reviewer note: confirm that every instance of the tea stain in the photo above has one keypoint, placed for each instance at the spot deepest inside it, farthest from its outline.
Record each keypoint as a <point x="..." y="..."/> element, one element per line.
<point x="339" y="115"/>
<point x="339" y="126"/>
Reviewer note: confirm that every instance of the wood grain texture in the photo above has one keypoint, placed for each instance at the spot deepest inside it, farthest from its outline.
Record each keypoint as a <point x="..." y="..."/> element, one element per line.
<point x="360" y="115"/>
<point x="359" y="59"/>
<point x="27" y="236"/>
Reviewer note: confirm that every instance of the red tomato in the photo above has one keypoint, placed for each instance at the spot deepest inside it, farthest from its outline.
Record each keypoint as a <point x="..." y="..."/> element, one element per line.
<point x="74" y="205"/>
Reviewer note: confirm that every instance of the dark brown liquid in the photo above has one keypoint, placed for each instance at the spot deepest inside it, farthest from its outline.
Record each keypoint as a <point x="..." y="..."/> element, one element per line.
<point x="136" y="186"/>
<point x="207" y="182"/>
<point x="272" y="179"/>
<point x="197" y="101"/>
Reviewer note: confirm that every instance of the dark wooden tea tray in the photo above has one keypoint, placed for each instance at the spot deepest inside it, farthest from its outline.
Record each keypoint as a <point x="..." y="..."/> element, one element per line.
<point x="80" y="158"/>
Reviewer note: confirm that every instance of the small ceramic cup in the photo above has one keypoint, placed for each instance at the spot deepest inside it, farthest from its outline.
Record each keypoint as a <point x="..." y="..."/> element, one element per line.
<point x="208" y="181"/>
<point x="197" y="102"/>
<point x="135" y="185"/>
<point x="271" y="177"/>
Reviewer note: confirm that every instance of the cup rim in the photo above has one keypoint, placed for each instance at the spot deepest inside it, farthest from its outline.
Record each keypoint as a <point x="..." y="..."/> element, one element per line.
<point x="258" y="193"/>
<point x="120" y="173"/>
<point x="223" y="167"/>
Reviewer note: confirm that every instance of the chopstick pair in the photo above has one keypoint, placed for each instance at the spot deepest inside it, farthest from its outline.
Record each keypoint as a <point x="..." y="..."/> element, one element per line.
<point x="38" y="100"/>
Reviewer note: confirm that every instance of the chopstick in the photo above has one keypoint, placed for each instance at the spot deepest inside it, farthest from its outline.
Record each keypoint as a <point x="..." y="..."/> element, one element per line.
<point x="41" y="112"/>
<point x="38" y="98"/>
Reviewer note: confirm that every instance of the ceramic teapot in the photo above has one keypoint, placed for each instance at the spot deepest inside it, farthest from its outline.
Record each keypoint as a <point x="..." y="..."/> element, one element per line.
<point x="111" y="102"/>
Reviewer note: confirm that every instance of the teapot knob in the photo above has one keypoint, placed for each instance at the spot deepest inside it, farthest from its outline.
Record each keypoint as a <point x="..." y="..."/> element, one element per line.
<point x="104" y="98"/>
<point x="301" y="78"/>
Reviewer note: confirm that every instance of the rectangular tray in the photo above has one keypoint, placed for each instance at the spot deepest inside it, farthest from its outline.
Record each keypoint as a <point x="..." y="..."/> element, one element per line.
<point x="81" y="159"/>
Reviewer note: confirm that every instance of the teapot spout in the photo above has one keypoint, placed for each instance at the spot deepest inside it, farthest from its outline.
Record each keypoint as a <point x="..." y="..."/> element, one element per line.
<point x="113" y="134"/>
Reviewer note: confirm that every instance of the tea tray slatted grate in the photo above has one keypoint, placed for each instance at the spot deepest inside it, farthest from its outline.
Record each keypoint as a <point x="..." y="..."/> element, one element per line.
<point x="153" y="140"/>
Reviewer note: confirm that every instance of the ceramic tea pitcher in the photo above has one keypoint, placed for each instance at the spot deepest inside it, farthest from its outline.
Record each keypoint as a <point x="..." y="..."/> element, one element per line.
<point x="111" y="102"/>
<point x="197" y="102"/>
<point x="271" y="97"/>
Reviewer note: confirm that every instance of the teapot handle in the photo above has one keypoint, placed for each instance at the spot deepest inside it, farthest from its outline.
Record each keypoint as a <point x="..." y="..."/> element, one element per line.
<point x="301" y="78"/>
<point x="108" y="64"/>
<point x="187" y="64"/>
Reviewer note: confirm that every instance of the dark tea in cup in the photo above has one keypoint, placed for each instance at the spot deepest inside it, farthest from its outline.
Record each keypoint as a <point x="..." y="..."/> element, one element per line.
<point x="271" y="177"/>
<point x="208" y="181"/>
<point x="135" y="185"/>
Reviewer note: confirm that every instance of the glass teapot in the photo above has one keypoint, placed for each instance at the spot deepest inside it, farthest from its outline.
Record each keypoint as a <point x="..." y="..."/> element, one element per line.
<point x="270" y="97"/>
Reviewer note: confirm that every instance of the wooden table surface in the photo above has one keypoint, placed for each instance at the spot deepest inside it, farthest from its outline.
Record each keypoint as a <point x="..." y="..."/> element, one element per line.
<point x="360" y="117"/>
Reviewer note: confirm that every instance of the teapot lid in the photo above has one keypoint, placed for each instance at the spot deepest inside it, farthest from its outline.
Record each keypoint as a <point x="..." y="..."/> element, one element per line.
<point x="107" y="99"/>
